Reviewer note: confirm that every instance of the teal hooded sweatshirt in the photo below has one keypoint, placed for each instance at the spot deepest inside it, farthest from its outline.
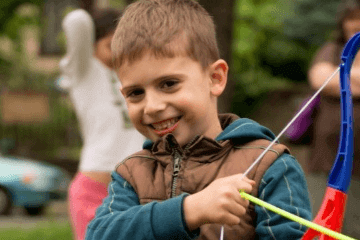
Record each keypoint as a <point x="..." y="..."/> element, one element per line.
<point x="121" y="217"/>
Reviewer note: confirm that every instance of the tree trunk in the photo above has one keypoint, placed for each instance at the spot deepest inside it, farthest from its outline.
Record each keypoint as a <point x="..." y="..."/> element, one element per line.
<point x="51" y="20"/>
<point x="222" y="13"/>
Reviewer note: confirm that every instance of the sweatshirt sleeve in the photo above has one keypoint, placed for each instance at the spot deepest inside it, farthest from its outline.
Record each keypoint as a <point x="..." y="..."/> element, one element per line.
<point x="122" y="217"/>
<point x="283" y="185"/>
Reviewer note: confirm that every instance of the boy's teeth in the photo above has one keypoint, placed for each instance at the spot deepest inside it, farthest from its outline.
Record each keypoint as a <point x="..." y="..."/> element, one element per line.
<point x="165" y="124"/>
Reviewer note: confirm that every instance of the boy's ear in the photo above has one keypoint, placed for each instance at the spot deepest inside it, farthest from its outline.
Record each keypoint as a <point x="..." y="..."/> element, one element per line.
<point x="218" y="74"/>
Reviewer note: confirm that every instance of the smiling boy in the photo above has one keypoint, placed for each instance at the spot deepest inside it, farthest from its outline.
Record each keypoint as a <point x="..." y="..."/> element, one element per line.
<point x="185" y="183"/>
<point x="173" y="95"/>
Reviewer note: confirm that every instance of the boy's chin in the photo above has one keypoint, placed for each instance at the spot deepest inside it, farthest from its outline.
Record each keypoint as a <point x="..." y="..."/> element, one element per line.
<point x="181" y="140"/>
<point x="184" y="141"/>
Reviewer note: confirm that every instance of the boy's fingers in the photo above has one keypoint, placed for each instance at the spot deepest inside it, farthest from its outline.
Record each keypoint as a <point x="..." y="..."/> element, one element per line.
<point x="252" y="182"/>
<point x="239" y="207"/>
<point x="241" y="201"/>
<point x="244" y="179"/>
<point x="244" y="186"/>
<point x="231" y="220"/>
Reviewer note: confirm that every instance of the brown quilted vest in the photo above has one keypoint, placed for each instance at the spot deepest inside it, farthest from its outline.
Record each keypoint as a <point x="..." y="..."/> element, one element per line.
<point x="152" y="175"/>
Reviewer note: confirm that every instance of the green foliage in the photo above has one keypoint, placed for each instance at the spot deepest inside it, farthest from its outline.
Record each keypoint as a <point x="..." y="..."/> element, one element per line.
<point x="23" y="16"/>
<point x="5" y="66"/>
<point x="117" y="4"/>
<point x="274" y="41"/>
<point x="258" y="41"/>
<point x="8" y="10"/>
<point x="258" y="37"/>
<point x="312" y="21"/>
<point x="44" y="231"/>
<point x="16" y="69"/>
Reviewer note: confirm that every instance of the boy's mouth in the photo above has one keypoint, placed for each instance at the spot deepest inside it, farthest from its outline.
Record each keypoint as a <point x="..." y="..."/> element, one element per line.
<point x="166" y="126"/>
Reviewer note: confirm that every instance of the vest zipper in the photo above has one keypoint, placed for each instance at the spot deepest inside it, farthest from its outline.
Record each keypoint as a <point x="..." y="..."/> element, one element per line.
<point x="177" y="159"/>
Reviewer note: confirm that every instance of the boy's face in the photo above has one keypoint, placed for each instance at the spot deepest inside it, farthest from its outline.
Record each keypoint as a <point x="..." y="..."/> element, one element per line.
<point x="103" y="50"/>
<point x="174" y="95"/>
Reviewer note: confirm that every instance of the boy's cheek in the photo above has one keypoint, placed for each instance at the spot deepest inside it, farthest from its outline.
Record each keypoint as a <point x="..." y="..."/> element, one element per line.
<point x="184" y="102"/>
<point x="148" y="135"/>
<point x="134" y="120"/>
<point x="142" y="130"/>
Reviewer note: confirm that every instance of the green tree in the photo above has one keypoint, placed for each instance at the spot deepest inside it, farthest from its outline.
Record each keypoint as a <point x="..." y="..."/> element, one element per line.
<point x="259" y="49"/>
<point x="16" y="65"/>
<point x="7" y="10"/>
<point x="10" y="23"/>
<point x="312" y="21"/>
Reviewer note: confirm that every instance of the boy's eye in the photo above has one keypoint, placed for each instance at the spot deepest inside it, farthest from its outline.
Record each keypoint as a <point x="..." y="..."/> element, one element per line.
<point x="169" y="83"/>
<point x="136" y="93"/>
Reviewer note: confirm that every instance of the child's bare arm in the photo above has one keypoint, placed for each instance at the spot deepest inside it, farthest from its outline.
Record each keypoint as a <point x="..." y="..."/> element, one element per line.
<point x="220" y="202"/>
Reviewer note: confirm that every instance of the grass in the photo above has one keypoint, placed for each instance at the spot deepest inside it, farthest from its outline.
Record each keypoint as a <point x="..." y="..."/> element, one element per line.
<point x="43" y="231"/>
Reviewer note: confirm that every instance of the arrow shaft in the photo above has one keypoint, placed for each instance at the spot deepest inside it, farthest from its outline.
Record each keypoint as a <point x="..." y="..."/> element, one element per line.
<point x="295" y="218"/>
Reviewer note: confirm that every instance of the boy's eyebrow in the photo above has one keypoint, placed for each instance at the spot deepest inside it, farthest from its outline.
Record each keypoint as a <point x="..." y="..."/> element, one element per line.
<point x="129" y="87"/>
<point x="169" y="76"/>
<point x="158" y="79"/>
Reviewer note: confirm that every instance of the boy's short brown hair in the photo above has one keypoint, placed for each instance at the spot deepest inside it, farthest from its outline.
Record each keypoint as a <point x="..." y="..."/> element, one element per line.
<point x="165" y="28"/>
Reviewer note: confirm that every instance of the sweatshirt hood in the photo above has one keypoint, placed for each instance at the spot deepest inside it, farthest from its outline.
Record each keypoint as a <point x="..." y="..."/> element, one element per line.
<point x="239" y="130"/>
<point x="242" y="130"/>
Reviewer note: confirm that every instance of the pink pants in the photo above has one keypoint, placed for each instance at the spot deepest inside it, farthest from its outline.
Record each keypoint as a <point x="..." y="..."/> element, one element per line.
<point x="85" y="195"/>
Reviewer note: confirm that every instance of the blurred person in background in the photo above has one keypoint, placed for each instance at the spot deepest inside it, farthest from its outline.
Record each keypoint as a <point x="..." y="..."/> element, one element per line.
<point x="108" y="136"/>
<point x="327" y="121"/>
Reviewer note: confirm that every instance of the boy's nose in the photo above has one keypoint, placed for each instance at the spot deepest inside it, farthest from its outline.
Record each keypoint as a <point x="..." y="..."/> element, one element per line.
<point x="154" y="104"/>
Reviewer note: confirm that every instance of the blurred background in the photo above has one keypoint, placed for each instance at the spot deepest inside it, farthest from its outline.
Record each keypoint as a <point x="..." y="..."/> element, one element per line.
<point x="268" y="44"/>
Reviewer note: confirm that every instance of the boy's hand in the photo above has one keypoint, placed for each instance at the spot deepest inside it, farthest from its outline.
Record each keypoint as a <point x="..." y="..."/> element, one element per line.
<point x="220" y="202"/>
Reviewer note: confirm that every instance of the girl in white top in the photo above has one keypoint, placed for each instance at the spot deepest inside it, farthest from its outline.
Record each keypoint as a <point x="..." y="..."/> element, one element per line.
<point x="108" y="136"/>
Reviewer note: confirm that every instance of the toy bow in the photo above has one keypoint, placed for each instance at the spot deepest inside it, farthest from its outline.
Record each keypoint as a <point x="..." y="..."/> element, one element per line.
<point x="329" y="219"/>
